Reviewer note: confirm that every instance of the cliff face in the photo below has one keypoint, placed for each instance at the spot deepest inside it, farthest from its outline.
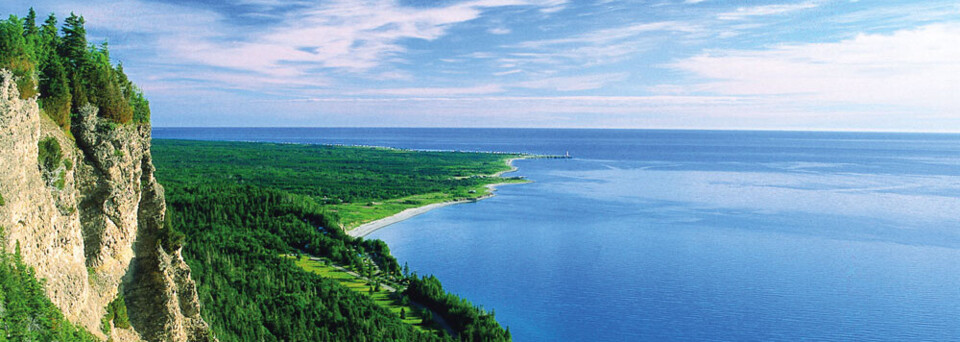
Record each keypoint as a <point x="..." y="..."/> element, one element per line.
<point x="90" y="223"/>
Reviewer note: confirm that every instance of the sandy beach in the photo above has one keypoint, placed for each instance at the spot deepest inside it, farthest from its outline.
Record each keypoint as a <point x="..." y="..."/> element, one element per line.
<point x="370" y="227"/>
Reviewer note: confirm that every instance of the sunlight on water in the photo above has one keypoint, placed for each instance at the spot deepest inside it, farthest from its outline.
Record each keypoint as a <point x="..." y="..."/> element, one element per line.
<point x="909" y="201"/>
<point x="692" y="235"/>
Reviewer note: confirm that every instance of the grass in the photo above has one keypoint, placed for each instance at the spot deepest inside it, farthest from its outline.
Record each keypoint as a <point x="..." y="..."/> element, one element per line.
<point x="49" y="153"/>
<point x="359" y="184"/>
<point x="353" y="215"/>
<point x="383" y="297"/>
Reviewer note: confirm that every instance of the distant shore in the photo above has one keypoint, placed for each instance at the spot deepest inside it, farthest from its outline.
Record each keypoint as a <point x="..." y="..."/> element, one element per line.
<point x="370" y="227"/>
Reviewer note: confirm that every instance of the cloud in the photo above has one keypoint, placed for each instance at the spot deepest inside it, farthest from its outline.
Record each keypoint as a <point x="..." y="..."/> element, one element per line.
<point x="569" y="83"/>
<point x="439" y="91"/>
<point x="597" y="47"/>
<point x="899" y="16"/>
<point x="499" y="30"/>
<point x="917" y="70"/>
<point x="352" y="35"/>
<point x="764" y="10"/>
<point x="551" y="6"/>
<point x="604" y="36"/>
<point x="452" y="58"/>
<point x="573" y="83"/>
<point x="508" y="72"/>
<point x="363" y="38"/>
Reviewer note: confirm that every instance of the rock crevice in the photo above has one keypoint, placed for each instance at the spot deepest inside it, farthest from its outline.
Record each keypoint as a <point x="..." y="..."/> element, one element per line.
<point x="90" y="225"/>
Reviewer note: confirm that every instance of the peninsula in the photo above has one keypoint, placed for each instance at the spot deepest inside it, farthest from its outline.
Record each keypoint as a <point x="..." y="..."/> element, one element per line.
<point x="246" y="207"/>
<point x="372" y="226"/>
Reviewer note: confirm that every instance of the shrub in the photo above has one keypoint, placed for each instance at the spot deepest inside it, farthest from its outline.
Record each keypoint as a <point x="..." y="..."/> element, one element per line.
<point x="15" y="55"/>
<point x="116" y="312"/>
<point x="61" y="181"/>
<point x="58" y="109"/>
<point x="50" y="155"/>
<point x="23" y="70"/>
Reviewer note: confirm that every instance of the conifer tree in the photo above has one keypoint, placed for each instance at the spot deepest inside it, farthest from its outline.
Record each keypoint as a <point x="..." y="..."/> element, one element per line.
<point x="74" y="46"/>
<point x="48" y="41"/>
<point x="55" y="92"/>
<point x="30" y="23"/>
<point x="50" y="26"/>
<point x="15" y="54"/>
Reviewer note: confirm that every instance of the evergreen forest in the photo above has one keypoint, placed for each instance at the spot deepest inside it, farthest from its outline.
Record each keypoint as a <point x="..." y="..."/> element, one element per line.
<point x="57" y="64"/>
<point x="238" y="209"/>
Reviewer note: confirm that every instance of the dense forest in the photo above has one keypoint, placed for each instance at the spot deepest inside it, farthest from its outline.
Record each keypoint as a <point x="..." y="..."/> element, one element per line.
<point x="329" y="174"/>
<point x="235" y="236"/>
<point x="27" y="314"/>
<point x="66" y="72"/>
<point x="472" y="324"/>
<point x="238" y="208"/>
<point x="355" y="184"/>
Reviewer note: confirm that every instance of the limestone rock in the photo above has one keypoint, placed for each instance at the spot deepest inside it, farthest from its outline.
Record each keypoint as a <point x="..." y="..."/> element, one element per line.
<point x="96" y="232"/>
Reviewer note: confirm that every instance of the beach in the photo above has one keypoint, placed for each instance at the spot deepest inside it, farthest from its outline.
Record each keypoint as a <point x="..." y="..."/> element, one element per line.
<point x="370" y="227"/>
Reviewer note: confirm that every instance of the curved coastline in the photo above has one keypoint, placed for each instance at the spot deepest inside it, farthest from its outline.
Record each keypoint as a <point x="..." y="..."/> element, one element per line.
<point x="370" y="227"/>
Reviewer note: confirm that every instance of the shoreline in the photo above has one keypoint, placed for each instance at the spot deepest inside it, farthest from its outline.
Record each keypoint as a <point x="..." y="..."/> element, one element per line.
<point x="370" y="227"/>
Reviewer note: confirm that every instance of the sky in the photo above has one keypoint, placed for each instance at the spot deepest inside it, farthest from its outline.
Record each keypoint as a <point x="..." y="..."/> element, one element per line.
<point x="858" y="65"/>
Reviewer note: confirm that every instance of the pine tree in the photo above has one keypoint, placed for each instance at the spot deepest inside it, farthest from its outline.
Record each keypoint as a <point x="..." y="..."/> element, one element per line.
<point x="55" y="92"/>
<point x="74" y="46"/>
<point x="48" y="41"/>
<point x="30" y="24"/>
<point x="50" y="26"/>
<point x="16" y="55"/>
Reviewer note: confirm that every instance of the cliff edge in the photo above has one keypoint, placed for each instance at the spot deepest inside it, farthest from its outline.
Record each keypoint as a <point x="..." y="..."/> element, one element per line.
<point x="87" y="214"/>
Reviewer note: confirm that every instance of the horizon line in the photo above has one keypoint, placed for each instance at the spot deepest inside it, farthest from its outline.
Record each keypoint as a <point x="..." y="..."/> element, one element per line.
<point x="785" y="130"/>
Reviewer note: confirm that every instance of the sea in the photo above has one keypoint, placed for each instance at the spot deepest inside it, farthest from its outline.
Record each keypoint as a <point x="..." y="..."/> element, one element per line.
<point x="687" y="235"/>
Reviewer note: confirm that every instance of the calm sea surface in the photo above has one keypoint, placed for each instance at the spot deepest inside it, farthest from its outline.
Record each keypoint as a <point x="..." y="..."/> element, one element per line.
<point x="691" y="235"/>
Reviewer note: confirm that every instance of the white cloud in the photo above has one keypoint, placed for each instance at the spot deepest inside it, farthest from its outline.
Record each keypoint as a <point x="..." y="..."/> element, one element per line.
<point x="508" y="72"/>
<point x="917" y="70"/>
<point x="499" y="30"/>
<point x="597" y="47"/>
<point x="573" y="83"/>
<point x="351" y="36"/>
<point x="900" y="16"/>
<point x="764" y="10"/>
<point x="439" y="91"/>
<point x="604" y="36"/>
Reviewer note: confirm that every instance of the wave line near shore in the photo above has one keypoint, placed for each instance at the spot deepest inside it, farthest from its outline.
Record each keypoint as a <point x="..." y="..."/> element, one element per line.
<point x="370" y="227"/>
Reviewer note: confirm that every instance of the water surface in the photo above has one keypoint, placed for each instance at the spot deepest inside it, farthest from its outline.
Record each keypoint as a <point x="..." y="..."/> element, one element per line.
<point x="691" y="235"/>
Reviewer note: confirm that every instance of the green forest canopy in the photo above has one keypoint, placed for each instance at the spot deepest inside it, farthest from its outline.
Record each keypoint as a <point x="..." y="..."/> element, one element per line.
<point x="330" y="175"/>
<point x="67" y="72"/>
<point x="28" y="315"/>
<point x="236" y="208"/>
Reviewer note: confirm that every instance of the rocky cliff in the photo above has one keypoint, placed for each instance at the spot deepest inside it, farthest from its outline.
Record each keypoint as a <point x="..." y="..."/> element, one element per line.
<point x="89" y="220"/>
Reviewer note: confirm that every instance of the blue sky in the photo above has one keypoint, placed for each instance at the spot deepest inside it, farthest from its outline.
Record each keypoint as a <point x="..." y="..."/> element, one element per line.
<point x="798" y="65"/>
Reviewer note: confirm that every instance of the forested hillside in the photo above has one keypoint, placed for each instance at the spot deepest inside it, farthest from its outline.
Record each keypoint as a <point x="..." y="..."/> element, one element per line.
<point x="355" y="184"/>
<point x="236" y="223"/>
<point x="56" y="72"/>
<point x="58" y="64"/>
<point x="28" y="315"/>
<point x="235" y="209"/>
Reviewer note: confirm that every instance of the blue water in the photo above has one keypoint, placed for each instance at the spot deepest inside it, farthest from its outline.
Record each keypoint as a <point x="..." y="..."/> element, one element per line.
<point x="692" y="235"/>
